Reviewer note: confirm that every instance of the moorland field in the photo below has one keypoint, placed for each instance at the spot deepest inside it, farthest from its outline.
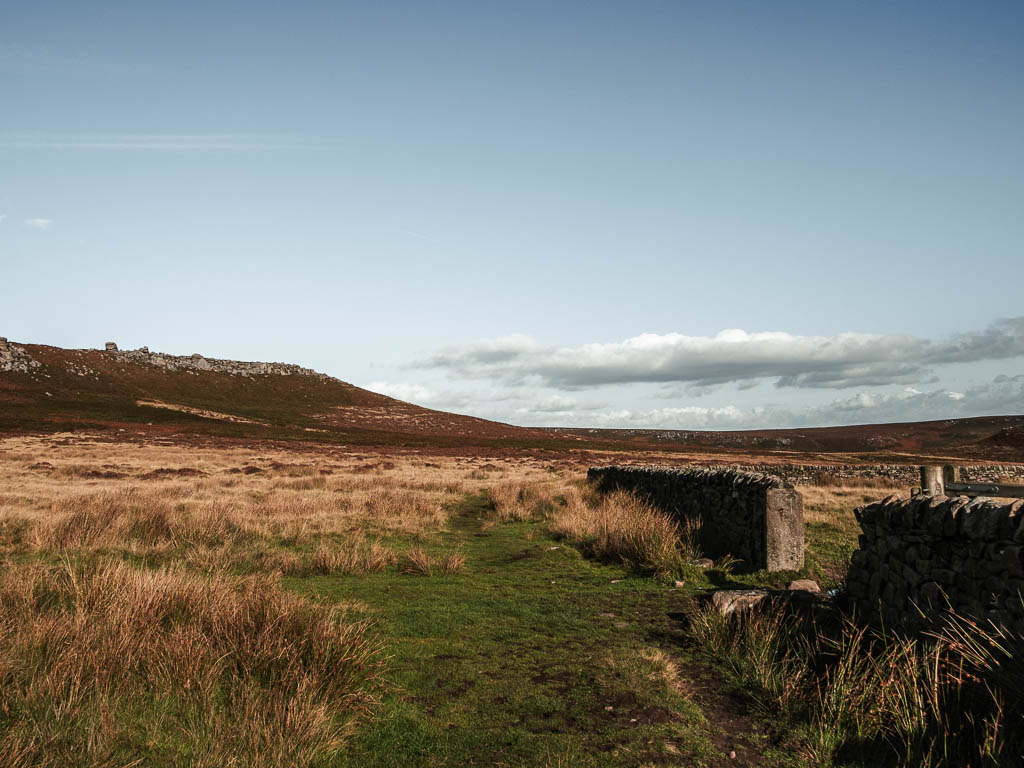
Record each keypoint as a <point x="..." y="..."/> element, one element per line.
<point x="200" y="568"/>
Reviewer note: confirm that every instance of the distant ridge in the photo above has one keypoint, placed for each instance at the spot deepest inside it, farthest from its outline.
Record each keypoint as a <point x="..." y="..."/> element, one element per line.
<point x="50" y="389"/>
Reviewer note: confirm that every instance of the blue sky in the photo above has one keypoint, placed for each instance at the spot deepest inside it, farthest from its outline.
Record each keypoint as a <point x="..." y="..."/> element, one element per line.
<point x="661" y="214"/>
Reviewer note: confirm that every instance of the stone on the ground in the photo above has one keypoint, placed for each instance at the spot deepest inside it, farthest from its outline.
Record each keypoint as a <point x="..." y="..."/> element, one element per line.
<point x="804" y="585"/>
<point x="729" y="601"/>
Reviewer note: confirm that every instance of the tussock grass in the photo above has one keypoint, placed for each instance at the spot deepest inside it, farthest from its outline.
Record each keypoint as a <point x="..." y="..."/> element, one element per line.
<point x="951" y="698"/>
<point x="451" y="563"/>
<point x="108" y="665"/>
<point x="622" y="527"/>
<point x="111" y="519"/>
<point x="417" y="562"/>
<point x="353" y="556"/>
<point x="522" y="500"/>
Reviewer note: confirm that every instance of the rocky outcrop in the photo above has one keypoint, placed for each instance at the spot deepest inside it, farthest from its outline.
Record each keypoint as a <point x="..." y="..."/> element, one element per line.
<point x="920" y="557"/>
<point x="198" y="362"/>
<point x="14" y="358"/>
<point x="754" y="517"/>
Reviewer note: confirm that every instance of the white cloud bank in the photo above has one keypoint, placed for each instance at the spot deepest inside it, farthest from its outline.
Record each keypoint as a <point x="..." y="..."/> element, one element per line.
<point x="731" y="356"/>
<point x="1003" y="395"/>
<point x="420" y="395"/>
<point x="40" y="225"/>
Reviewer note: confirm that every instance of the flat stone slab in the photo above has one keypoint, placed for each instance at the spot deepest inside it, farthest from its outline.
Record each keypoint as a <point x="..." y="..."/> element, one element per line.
<point x="804" y="585"/>
<point x="730" y="601"/>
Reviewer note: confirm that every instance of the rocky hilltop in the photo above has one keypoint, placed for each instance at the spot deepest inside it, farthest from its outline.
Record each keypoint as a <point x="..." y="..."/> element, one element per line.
<point x="45" y="388"/>
<point x="15" y="358"/>
<point x="198" y="362"/>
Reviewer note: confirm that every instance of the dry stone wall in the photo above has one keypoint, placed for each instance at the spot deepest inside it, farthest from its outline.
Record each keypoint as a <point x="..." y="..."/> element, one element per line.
<point x="751" y="516"/>
<point x="921" y="556"/>
<point x="899" y="474"/>
<point x="907" y="475"/>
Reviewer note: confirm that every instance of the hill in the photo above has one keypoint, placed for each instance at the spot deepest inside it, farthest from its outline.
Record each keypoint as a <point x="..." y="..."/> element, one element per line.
<point x="50" y="389"/>
<point x="44" y="388"/>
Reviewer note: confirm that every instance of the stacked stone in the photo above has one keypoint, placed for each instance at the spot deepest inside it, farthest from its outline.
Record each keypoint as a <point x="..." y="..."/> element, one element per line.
<point x="807" y="474"/>
<point x="919" y="557"/>
<point x="736" y="510"/>
<point x="15" y="359"/>
<point x="902" y="474"/>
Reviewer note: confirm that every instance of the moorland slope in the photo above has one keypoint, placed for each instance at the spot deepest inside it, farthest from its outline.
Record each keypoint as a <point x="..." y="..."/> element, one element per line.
<point x="50" y="389"/>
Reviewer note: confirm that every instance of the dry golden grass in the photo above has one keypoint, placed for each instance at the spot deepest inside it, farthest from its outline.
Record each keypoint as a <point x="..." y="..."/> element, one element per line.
<point x="102" y="664"/>
<point x="271" y="509"/>
<point x="451" y="563"/>
<point x="417" y="562"/>
<point x="650" y="667"/>
<point x="834" y="504"/>
<point x="619" y="525"/>
<point x="526" y="499"/>
<point x="353" y="556"/>
<point x="129" y="641"/>
<point x="268" y="489"/>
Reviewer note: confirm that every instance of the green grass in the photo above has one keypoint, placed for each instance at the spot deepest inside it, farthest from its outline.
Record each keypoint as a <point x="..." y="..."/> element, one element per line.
<point x="517" y="660"/>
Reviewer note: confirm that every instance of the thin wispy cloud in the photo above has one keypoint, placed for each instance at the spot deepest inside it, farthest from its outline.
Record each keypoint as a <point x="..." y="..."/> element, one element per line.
<point x="731" y="356"/>
<point x="40" y="225"/>
<point x="153" y="142"/>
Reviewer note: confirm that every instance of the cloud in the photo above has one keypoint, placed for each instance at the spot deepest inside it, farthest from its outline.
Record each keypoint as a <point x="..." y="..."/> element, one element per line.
<point x="160" y="142"/>
<point x="1003" y="395"/>
<point x="420" y="395"/>
<point x="731" y="356"/>
<point x="2" y="217"/>
<point x="555" y="404"/>
<point x="39" y="224"/>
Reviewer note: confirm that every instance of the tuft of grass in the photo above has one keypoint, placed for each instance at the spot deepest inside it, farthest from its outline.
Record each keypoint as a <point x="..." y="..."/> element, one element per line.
<point x="416" y="562"/>
<point x="106" y="664"/>
<point x="521" y="501"/>
<point x="451" y="563"/>
<point x="356" y="556"/>
<point x="621" y="526"/>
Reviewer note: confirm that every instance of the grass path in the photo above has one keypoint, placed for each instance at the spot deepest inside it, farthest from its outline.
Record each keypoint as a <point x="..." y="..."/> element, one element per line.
<point x="534" y="656"/>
